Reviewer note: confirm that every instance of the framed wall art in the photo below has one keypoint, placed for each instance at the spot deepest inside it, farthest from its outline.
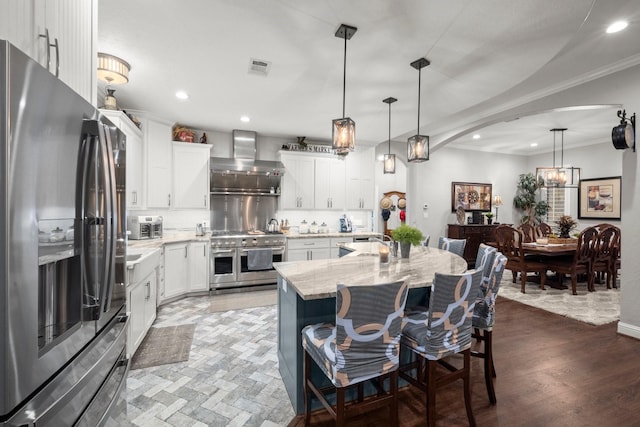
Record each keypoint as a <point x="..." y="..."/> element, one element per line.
<point x="599" y="198"/>
<point x="471" y="196"/>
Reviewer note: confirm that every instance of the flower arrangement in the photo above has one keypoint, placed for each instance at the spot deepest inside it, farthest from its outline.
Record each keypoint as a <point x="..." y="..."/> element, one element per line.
<point x="565" y="225"/>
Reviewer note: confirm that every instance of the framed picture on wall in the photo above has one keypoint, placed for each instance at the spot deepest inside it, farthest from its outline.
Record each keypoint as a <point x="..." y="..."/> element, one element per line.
<point x="600" y="198"/>
<point x="471" y="196"/>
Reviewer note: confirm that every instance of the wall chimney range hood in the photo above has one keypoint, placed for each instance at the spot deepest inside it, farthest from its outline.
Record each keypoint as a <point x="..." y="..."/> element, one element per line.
<point x="243" y="174"/>
<point x="244" y="158"/>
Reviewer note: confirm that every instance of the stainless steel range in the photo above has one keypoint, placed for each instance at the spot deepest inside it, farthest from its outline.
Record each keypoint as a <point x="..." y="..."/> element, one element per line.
<point x="239" y="259"/>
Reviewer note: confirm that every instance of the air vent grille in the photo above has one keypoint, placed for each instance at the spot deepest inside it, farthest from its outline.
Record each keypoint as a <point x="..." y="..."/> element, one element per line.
<point x="259" y="66"/>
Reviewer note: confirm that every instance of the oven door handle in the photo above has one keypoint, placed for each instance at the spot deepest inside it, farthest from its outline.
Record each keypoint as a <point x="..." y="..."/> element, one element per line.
<point x="276" y="251"/>
<point x="216" y="251"/>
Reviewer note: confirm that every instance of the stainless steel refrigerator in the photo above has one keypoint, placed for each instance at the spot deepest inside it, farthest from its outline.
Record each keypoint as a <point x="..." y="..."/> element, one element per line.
<point x="63" y="253"/>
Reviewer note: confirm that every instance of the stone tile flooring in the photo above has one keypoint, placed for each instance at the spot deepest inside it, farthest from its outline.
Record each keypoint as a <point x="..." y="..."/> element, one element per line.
<point x="230" y="379"/>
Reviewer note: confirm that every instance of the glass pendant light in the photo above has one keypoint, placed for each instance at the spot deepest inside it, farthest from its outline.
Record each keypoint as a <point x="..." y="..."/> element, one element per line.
<point x="343" y="131"/>
<point x="418" y="145"/>
<point x="389" y="159"/>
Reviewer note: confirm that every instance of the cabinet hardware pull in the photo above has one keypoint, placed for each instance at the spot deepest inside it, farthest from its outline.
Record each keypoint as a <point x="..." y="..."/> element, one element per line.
<point x="186" y="248"/>
<point x="169" y="196"/>
<point x="57" y="59"/>
<point x="205" y="200"/>
<point x="148" y="290"/>
<point x="46" y="39"/>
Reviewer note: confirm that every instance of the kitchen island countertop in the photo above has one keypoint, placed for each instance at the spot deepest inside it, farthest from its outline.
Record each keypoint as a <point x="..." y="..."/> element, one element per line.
<point x="318" y="279"/>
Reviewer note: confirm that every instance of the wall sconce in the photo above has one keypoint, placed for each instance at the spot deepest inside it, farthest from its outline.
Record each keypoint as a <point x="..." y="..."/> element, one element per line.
<point x="343" y="130"/>
<point x="623" y="136"/>
<point x="418" y="145"/>
<point x="389" y="159"/>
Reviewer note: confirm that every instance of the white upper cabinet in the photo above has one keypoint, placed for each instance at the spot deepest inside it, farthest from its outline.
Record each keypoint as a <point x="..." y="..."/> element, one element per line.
<point x="60" y="35"/>
<point x="191" y="175"/>
<point x="157" y="138"/>
<point x="134" y="156"/>
<point x="360" y="180"/>
<point x="329" y="183"/>
<point x="297" y="182"/>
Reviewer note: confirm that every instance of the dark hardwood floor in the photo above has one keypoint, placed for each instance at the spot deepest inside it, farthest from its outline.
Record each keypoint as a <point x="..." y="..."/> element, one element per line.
<point x="551" y="371"/>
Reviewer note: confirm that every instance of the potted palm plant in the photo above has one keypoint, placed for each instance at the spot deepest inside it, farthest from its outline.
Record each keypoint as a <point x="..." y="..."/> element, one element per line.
<point x="527" y="200"/>
<point x="407" y="236"/>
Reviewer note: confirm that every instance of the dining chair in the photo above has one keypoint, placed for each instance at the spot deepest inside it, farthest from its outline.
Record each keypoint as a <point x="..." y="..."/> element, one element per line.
<point x="455" y="246"/>
<point x="433" y="336"/>
<point x="484" y="259"/>
<point x="425" y="242"/>
<point x="580" y="262"/>
<point x="362" y="345"/>
<point x="606" y="253"/>
<point x="528" y="232"/>
<point x="510" y="241"/>
<point x="543" y="230"/>
<point x="484" y="318"/>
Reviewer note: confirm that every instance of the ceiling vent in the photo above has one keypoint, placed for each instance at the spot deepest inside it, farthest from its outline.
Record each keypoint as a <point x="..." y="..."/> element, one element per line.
<point x="260" y="67"/>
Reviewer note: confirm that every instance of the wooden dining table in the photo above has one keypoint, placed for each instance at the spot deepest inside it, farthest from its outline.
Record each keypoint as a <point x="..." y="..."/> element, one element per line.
<point x="550" y="250"/>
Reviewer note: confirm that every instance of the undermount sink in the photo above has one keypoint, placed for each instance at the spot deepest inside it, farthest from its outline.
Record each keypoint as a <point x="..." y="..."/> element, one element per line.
<point x="141" y="262"/>
<point x="133" y="257"/>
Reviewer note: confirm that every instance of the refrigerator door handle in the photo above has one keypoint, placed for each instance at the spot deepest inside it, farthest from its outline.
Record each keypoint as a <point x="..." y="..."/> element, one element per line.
<point x="88" y="271"/>
<point x="110" y="225"/>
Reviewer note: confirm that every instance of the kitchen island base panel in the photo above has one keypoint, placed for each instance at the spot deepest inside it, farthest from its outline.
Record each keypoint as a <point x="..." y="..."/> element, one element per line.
<point x="294" y="313"/>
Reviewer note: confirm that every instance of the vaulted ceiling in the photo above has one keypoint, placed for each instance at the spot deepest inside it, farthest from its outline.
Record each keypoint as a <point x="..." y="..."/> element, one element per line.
<point x="484" y="55"/>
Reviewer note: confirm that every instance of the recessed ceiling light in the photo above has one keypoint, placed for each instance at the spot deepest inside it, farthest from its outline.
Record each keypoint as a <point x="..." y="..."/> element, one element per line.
<point x="182" y="95"/>
<point x="381" y="158"/>
<point x="534" y="144"/>
<point x="617" y="26"/>
<point x="245" y="119"/>
<point x="476" y="136"/>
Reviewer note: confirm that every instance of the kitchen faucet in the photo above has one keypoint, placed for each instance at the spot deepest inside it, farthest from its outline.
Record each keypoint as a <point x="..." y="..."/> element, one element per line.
<point x="393" y="245"/>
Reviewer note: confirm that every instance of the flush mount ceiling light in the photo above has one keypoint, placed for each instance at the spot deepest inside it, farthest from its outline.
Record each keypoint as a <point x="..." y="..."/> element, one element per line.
<point x="623" y="136"/>
<point x="112" y="69"/>
<point x="343" y="132"/>
<point x="476" y="136"/>
<point x="418" y="145"/>
<point x="559" y="176"/>
<point x="389" y="159"/>
<point x="617" y="26"/>
<point x="245" y="119"/>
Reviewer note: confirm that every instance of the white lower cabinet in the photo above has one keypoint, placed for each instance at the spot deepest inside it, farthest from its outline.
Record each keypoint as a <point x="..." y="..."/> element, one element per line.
<point x="198" y="266"/>
<point x="175" y="270"/>
<point x="142" y="309"/>
<point x="308" y="249"/>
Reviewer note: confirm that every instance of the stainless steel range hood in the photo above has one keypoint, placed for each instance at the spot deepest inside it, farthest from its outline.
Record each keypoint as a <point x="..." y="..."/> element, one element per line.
<point x="244" y="158"/>
<point x="243" y="174"/>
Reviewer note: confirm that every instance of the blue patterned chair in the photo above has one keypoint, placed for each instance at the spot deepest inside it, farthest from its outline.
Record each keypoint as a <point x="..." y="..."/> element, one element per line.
<point x="364" y="344"/>
<point x="443" y="330"/>
<point x="484" y="259"/>
<point x="484" y="318"/>
<point x="425" y="242"/>
<point x="452" y="245"/>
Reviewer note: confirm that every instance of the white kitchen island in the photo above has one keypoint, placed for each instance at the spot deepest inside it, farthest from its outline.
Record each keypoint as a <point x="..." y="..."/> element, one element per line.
<point x="307" y="289"/>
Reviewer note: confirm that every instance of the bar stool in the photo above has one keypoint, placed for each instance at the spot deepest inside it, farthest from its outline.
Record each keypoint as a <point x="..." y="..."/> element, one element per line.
<point x="442" y="331"/>
<point x="363" y="345"/>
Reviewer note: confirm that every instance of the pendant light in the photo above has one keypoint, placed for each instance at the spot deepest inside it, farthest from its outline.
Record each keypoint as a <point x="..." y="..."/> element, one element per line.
<point x="343" y="131"/>
<point x="418" y="145"/>
<point x="389" y="159"/>
<point x="559" y="176"/>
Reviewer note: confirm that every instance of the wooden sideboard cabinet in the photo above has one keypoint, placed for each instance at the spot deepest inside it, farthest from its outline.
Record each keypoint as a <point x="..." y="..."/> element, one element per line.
<point x="474" y="234"/>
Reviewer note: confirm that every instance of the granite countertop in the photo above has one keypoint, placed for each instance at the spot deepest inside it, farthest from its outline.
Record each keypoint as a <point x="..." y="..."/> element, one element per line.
<point x="318" y="279"/>
<point x="352" y="234"/>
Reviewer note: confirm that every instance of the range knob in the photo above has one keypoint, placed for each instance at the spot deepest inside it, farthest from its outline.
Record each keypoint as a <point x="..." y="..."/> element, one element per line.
<point x="244" y="242"/>
<point x="255" y="242"/>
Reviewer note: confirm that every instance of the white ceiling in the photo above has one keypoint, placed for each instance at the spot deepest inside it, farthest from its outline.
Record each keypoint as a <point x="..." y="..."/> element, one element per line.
<point x="484" y="54"/>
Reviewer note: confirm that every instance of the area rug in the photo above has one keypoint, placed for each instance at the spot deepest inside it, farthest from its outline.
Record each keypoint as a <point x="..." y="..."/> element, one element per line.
<point x="241" y="300"/>
<point x="162" y="346"/>
<point x="596" y="308"/>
